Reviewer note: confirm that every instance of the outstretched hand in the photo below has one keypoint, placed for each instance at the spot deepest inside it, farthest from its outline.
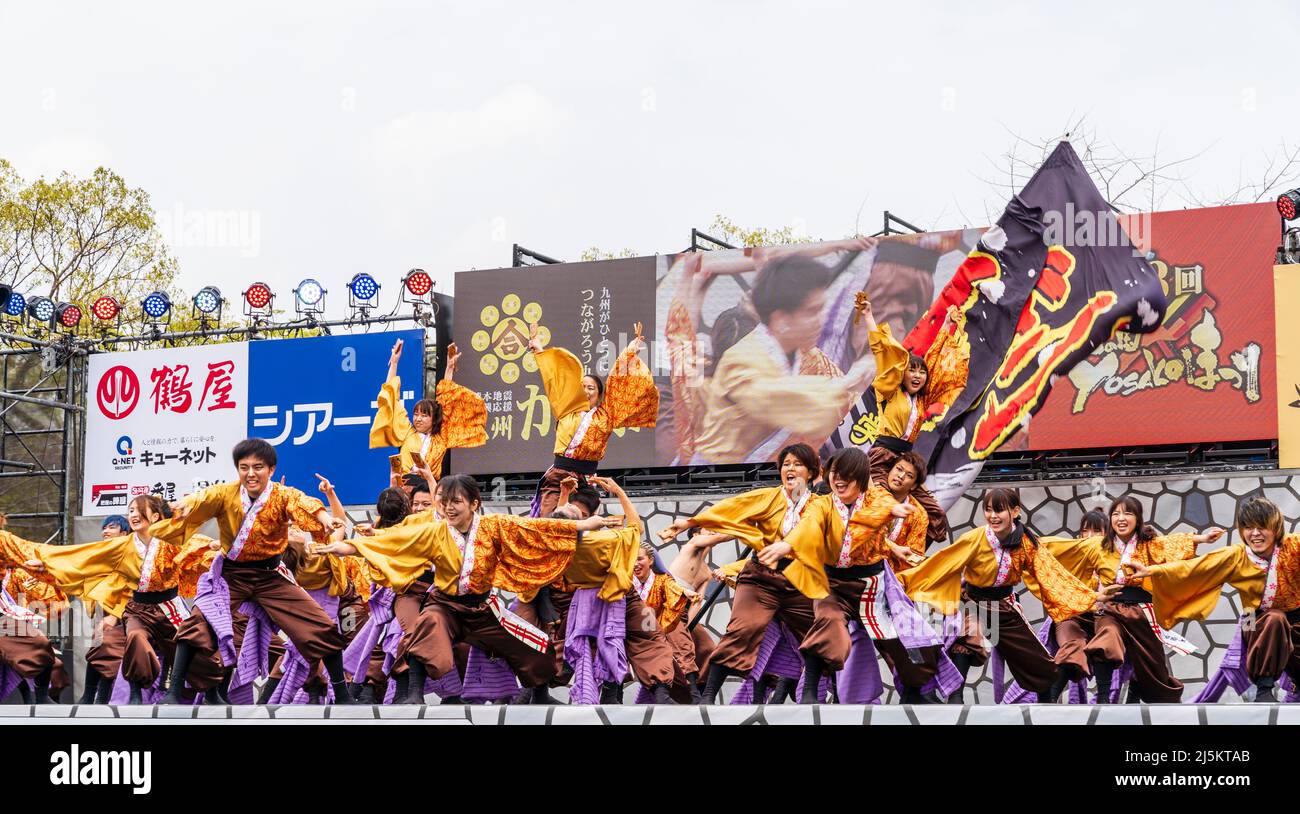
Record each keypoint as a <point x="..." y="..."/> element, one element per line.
<point x="325" y="486"/>
<point x="534" y="338"/>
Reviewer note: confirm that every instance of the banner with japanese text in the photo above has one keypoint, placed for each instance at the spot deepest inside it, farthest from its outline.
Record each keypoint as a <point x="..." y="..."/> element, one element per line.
<point x="587" y="308"/>
<point x="1286" y="282"/>
<point x="164" y="421"/>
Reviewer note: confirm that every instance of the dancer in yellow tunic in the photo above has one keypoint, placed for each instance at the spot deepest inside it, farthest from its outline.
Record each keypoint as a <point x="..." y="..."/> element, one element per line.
<point x="471" y="555"/>
<point x="27" y="600"/>
<point x="911" y="390"/>
<point x="587" y="410"/>
<point x="1124" y="629"/>
<point x="136" y="578"/>
<point x="455" y="418"/>
<point x="975" y="577"/>
<point x="1265" y="570"/>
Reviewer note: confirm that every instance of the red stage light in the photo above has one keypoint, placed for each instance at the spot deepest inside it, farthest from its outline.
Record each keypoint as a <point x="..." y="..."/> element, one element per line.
<point x="419" y="282"/>
<point x="258" y="295"/>
<point x="105" y="308"/>
<point x="69" y="315"/>
<point x="1288" y="203"/>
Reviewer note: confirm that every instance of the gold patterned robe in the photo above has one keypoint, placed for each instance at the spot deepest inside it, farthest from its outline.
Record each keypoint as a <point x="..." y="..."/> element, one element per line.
<point x="517" y="554"/>
<point x="108" y="572"/>
<point x="1189" y="589"/>
<point x="938" y="580"/>
<point x="464" y="424"/>
<point x="631" y="400"/>
<point x="269" y="535"/>
<point x="818" y="539"/>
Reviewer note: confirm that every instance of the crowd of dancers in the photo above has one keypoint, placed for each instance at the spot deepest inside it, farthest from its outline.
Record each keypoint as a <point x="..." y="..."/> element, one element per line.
<point x="850" y="566"/>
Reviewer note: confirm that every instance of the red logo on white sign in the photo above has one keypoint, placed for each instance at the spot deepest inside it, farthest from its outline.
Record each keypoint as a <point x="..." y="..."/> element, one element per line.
<point x="118" y="392"/>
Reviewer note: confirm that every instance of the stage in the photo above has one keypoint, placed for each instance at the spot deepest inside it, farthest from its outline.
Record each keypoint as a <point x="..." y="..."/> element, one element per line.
<point x="776" y="715"/>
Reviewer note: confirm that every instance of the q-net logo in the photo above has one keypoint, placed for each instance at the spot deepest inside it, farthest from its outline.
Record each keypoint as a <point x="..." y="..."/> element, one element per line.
<point x="118" y="392"/>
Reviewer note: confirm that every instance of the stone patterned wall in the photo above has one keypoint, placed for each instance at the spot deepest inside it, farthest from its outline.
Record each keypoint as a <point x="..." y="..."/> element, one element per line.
<point x="1055" y="508"/>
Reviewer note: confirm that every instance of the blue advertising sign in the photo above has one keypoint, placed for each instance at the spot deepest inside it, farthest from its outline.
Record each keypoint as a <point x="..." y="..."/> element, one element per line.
<point x="315" y="398"/>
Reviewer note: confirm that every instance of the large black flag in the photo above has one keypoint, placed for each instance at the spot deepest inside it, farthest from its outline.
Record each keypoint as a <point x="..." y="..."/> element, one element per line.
<point x="1055" y="278"/>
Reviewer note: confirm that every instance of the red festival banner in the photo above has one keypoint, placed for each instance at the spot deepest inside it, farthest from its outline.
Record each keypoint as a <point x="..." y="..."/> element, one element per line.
<point x="1208" y="373"/>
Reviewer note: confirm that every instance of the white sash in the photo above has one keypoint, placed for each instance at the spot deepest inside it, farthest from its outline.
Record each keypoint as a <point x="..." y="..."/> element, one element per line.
<point x="793" y="511"/>
<point x="1270" y="581"/>
<point x="579" y="433"/>
<point x="516" y="626"/>
<point x="643" y="588"/>
<point x="1003" y="557"/>
<point x="773" y="349"/>
<point x="874" y="610"/>
<point x="466" y="545"/>
<point x="148" y="554"/>
<point x="251" y="511"/>
<point x="424" y="448"/>
<point x="912" y="417"/>
<point x="845" y="512"/>
<point x="1126" y="552"/>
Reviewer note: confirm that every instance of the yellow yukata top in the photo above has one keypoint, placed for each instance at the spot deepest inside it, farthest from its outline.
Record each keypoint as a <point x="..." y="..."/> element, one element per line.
<point x="269" y="535"/>
<point x="819" y="536"/>
<point x="667" y="600"/>
<point x="604" y="561"/>
<point x="314" y="572"/>
<point x="516" y="554"/>
<point x="631" y="400"/>
<point x="948" y="360"/>
<point x="970" y="559"/>
<point x="1189" y="589"/>
<point x="464" y="424"/>
<point x="753" y="518"/>
<point x="1090" y="562"/>
<point x="753" y="394"/>
<point x="14" y="550"/>
<point x="108" y="572"/>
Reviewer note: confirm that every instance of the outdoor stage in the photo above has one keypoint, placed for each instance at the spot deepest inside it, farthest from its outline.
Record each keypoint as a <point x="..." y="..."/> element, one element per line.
<point x="777" y="714"/>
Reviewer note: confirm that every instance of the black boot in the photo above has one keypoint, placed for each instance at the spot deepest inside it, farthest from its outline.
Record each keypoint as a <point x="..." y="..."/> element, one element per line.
<point x="661" y="693"/>
<point x="342" y="694"/>
<point x="355" y="690"/>
<point x="693" y="685"/>
<point x="523" y="697"/>
<point x="784" y="690"/>
<point x="137" y="694"/>
<point x="456" y="701"/>
<point x="1058" y="686"/>
<point x="367" y="694"/>
<point x="611" y="693"/>
<point x="104" y="695"/>
<point x="92" y="684"/>
<point x="1103" y="671"/>
<point x="1134" y="695"/>
<point x="415" y="688"/>
<point x="42" y="683"/>
<point x="268" y="690"/>
<point x="401" y="685"/>
<point x="1265" y="692"/>
<point x="963" y="663"/>
<point x="333" y="664"/>
<point x="24" y="692"/>
<point x="541" y="695"/>
<point x="813" y="667"/>
<point x="180" y="669"/>
<point x="214" y="697"/>
<point x="713" y="684"/>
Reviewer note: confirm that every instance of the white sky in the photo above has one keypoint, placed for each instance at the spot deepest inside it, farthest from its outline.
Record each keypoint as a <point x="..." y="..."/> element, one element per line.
<point x="381" y="136"/>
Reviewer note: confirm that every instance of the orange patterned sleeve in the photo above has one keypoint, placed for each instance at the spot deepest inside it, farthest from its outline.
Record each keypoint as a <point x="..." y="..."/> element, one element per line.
<point x="192" y="561"/>
<point x="865" y="524"/>
<point x="1171" y="548"/>
<point x="949" y="361"/>
<point x="464" y="416"/>
<point x="668" y="600"/>
<point x="631" y="398"/>
<point x="303" y="508"/>
<point x="1063" y="594"/>
<point x="530" y="552"/>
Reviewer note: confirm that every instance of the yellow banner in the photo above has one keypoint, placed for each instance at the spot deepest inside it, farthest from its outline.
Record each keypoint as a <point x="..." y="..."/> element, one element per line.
<point x="1286" y="298"/>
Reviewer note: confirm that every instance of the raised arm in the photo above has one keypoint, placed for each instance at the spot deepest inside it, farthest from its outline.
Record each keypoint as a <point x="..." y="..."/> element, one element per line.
<point x="631" y="397"/>
<point x="391" y="424"/>
<point x="631" y="518"/>
<point x="949" y="362"/>
<point x="561" y="374"/>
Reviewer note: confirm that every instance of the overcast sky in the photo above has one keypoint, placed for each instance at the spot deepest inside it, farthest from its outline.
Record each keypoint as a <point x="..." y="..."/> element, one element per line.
<point x="379" y="136"/>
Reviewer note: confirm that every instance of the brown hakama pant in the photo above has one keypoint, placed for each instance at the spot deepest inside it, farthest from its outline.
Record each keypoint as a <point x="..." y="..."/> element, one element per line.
<point x="1123" y="631"/>
<point x="762" y="594"/>
<point x="1273" y="645"/>
<point x="1029" y="662"/>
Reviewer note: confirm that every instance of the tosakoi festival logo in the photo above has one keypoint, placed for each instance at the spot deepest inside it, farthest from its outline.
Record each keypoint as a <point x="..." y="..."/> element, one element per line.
<point x="503" y="339"/>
